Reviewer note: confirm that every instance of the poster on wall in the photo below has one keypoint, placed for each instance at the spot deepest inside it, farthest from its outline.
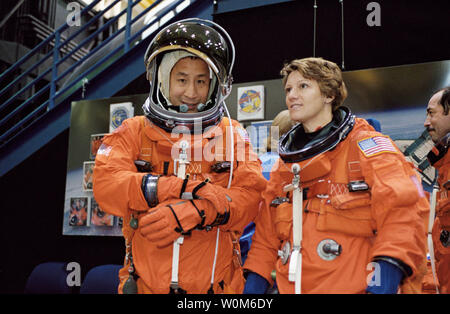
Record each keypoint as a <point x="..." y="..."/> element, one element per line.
<point x="118" y="113"/>
<point x="250" y="102"/>
<point x="258" y="132"/>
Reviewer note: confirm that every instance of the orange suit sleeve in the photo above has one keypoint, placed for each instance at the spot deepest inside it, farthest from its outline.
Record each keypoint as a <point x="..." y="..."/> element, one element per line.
<point x="116" y="183"/>
<point x="263" y="254"/>
<point x="247" y="184"/>
<point x="399" y="207"/>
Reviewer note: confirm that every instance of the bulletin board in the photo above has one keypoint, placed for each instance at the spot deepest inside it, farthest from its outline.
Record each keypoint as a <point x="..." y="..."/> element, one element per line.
<point x="90" y="121"/>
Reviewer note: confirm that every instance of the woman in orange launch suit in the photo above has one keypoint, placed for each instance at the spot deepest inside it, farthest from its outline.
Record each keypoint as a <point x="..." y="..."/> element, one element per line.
<point x="183" y="177"/>
<point x="363" y="212"/>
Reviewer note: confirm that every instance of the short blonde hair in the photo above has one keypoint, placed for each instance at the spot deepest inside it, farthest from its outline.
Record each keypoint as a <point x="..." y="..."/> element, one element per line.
<point x="284" y="123"/>
<point x="326" y="73"/>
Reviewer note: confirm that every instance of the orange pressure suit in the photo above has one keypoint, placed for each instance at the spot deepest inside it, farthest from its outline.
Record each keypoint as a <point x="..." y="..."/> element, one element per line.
<point x="117" y="189"/>
<point x="386" y="220"/>
<point x="441" y="227"/>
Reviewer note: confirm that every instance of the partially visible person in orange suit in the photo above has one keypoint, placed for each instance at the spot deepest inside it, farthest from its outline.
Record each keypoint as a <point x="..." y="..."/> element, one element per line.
<point x="437" y="124"/>
<point x="363" y="210"/>
<point x="183" y="177"/>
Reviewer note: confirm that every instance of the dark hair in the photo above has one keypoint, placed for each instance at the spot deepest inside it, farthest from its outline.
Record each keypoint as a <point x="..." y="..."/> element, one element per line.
<point x="445" y="99"/>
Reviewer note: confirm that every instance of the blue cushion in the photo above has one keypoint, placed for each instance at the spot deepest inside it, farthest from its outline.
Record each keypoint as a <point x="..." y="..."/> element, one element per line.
<point x="103" y="279"/>
<point x="48" y="278"/>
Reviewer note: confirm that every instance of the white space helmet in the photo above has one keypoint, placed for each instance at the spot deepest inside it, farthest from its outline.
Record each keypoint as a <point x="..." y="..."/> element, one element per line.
<point x="190" y="37"/>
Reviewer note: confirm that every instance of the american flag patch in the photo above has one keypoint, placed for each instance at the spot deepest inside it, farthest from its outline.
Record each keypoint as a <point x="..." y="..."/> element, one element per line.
<point x="104" y="150"/>
<point x="376" y="145"/>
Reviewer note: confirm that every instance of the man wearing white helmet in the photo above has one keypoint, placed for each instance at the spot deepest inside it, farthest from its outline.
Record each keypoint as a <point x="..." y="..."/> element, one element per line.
<point x="183" y="177"/>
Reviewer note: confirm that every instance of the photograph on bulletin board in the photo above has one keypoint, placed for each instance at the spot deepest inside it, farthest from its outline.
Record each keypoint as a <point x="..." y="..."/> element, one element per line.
<point x="78" y="211"/>
<point x="96" y="141"/>
<point x="88" y="171"/>
<point x="99" y="217"/>
<point x="250" y="102"/>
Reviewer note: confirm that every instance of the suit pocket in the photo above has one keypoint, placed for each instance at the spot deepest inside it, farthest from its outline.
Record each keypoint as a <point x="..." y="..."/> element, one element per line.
<point x="347" y="213"/>
<point x="283" y="220"/>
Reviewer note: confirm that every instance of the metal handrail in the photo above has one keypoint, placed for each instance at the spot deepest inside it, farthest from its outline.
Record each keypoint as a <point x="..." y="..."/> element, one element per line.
<point x="117" y="49"/>
<point x="52" y="52"/>
<point x="58" y="96"/>
<point x="43" y="43"/>
<point x="99" y="46"/>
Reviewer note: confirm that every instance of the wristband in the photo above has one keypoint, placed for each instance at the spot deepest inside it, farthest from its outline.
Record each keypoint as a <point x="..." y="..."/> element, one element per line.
<point x="150" y="189"/>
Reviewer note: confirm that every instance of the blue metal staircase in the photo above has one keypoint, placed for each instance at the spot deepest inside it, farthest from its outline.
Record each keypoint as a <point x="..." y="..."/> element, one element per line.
<point x="40" y="110"/>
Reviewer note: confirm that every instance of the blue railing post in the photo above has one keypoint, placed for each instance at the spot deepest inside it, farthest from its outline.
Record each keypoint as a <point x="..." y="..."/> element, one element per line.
<point x="126" y="44"/>
<point x="54" y="71"/>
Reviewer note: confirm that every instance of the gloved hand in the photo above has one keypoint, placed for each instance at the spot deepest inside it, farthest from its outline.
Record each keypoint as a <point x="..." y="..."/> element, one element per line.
<point x="171" y="187"/>
<point x="213" y="193"/>
<point x="388" y="281"/>
<point x="167" y="221"/>
<point x="255" y="284"/>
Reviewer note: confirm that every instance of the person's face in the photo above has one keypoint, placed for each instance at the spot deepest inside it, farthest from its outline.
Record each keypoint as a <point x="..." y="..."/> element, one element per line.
<point x="306" y="103"/>
<point x="436" y="123"/>
<point x="189" y="83"/>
